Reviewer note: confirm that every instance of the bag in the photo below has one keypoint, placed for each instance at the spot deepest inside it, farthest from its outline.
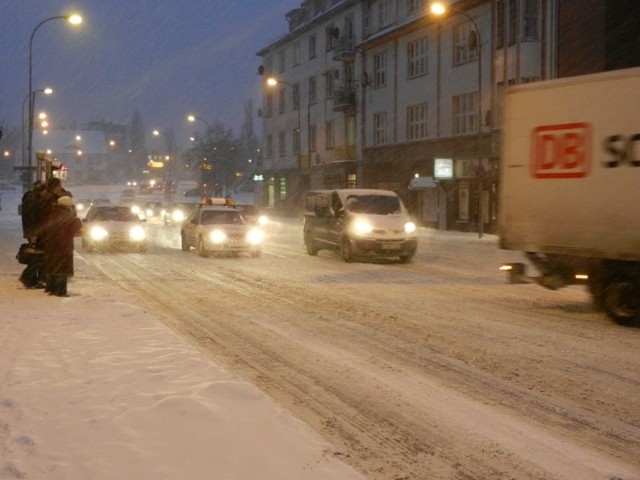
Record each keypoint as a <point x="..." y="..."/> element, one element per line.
<point x="28" y="254"/>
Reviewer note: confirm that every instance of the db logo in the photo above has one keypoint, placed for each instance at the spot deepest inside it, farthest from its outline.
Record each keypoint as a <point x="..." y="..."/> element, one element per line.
<point x="561" y="151"/>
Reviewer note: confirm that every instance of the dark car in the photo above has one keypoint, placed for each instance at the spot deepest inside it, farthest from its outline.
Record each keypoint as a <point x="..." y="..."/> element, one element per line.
<point x="113" y="226"/>
<point x="177" y="212"/>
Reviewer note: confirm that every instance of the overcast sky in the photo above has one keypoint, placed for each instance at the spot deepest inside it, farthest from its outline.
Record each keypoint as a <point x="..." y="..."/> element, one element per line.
<point x="163" y="58"/>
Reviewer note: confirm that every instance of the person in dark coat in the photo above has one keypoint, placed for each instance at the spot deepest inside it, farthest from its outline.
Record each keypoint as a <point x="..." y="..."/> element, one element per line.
<point x="62" y="225"/>
<point x="32" y="219"/>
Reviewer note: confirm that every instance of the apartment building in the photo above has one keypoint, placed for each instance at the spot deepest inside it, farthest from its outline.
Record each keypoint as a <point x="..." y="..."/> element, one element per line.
<point x="387" y="94"/>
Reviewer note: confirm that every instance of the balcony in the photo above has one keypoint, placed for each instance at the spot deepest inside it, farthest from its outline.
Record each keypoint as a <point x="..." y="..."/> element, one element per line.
<point x="344" y="100"/>
<point x="345" y="49"/>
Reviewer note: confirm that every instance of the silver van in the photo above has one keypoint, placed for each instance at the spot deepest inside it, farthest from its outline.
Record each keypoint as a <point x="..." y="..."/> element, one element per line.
<point x="358" y="223"/>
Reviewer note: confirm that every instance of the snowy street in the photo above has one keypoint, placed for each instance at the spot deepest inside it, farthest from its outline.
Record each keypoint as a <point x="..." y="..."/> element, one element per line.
<point x="437" y="369"/>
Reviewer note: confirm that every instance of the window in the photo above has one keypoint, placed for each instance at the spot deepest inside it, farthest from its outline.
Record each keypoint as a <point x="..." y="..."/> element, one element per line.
<point x="380" y="128"/>
<point x="417" y="57"/>
<point x="296" y="96"/>
<point x="386" y="13"/>
<point x="350" y="130"/>
<point x="328" y="135"/>
<point x="282" y="147"/>
<point x="513" y="21"/>
<point x="500" y="24"/>
<point x="269" y="104"/>
<point x="312" y="47"/>
<point x="281" y="100"/>
<point x="461" y="52"/>
<point x="380" y="70"/>
<point x="313" y="95"/>
<point x="417" y="122"/>
<point x="269" y="146"/>
<point x="465" y="113"/>
<point x="330" y="37"/>
<point x="312" y="138"/>
<point x="530" y="31"/>
<point x="329" y="83"/>
<point x="414" y="6"/>
<point x="281" y="61"/>
<point x="296" y="141"/>
<point x="296" y="53"/>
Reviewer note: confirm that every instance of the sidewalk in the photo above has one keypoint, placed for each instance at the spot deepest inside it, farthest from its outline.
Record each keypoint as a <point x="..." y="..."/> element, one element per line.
<point x="92" y="387"/>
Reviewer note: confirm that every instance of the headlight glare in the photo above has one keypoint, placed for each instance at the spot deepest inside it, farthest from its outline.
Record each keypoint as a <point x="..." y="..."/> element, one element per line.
<point x="409" y="227"/>
<point x="217" y="236"/>
<point x="178" y="216"/>
<point x="98" y="233"/>
<point x="255" y="236"/>
<point x="137" y="233"/>
<point x="362" y="227"/>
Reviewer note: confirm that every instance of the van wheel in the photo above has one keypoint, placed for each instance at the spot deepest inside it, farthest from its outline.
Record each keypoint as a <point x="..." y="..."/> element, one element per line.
<point x="312" y="248"/>
<point x="406" y="258"/>
<point x="346" y="251"/>
<point x="183" y="243"/>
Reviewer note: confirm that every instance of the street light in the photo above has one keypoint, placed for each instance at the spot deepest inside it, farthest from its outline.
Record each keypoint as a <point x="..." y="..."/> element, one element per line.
<point x="272" y="82"/>
<point x="46" y="91"/>
<point x="74" y="19"/>
<point x="439" y="9"/>
<point x="168" y="187"/>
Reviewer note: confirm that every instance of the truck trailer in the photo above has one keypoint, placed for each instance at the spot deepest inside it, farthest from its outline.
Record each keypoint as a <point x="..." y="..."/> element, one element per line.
<point x="570" y="186"/>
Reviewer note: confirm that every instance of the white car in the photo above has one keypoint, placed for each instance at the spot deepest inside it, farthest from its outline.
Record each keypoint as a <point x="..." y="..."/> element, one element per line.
<point x="113" y="226"/>
<point x="220" y="229"/>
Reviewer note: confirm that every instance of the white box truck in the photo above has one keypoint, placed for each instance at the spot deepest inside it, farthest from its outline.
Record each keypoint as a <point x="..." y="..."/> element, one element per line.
<point x="570" y="185"/>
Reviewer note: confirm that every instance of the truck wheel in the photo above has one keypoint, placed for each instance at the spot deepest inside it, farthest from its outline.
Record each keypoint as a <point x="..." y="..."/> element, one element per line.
<point x="312" y="248"/>
<point x="183" y="243"/>
<point x="622" y="302"/>
<point x="346" y="252"/>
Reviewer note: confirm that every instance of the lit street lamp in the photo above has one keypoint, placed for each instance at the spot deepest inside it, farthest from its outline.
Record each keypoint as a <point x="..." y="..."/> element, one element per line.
<point x="46" y="91"/>
<point x="74" y="20"/>
<point x="168" y="186"/>
<point x="272" y="82"/>
<point x="439" y="9"/>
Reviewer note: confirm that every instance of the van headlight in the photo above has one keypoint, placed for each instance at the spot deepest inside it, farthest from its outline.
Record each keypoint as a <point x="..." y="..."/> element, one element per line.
<point x="409" y="227"/>
<point x="137" y="233"/>
<point x="217" y="236"/>
<point x="255" y="236"/>
<point x="362" y="227"/>
<point x="178" y="216"/>
<point x="98" y="233"/>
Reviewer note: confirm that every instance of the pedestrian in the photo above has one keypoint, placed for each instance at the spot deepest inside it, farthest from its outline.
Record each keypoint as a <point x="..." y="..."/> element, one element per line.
<point x="62" y="225"/>
<point x="32" y="219"/>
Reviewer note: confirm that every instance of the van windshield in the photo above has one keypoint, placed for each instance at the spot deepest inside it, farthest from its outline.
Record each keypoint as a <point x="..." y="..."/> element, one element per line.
<point x="374" y="204"/>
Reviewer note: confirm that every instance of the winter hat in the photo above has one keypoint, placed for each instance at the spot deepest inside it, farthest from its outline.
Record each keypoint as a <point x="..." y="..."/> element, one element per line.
<point x="38" y="186"/>
<point x="53" y="182"/>
<point x="66" y="201"/>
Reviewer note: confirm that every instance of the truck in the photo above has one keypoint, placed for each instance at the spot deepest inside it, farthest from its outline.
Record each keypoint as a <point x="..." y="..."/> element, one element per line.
<point x="569" y="187"/>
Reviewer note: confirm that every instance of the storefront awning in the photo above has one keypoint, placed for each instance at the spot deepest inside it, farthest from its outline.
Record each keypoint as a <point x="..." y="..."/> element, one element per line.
<point x="419" y="183"/>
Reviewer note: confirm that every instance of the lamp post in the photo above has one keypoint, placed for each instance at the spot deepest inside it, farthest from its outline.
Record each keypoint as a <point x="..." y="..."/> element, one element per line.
<point x="46" y="91"/>
<point x="168" y="186"/>
<point x="272" y="82"/>
<point x="74" y="20"/>
<point x="203" y="163"/>
<point x="439" y="9"/>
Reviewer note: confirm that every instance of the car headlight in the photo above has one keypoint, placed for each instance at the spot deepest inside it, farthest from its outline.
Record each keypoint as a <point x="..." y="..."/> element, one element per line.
<point x="255" y="236"/>
<point x="137" y="233"/>
<point x="135" y="209"/>
<point x="409" y="227"/>
<point x="263" y="220"/>
<point x="178" y="216"/>
<point x="98" y="233"/>
<point x="217" y="236"/>
<point x="149" y="212"/>
<point x="362" y="227"/>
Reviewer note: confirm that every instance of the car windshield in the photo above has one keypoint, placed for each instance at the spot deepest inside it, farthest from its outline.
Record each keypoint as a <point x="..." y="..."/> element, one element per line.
<point x="217" y="217"/>
<point x="118" y="214"/>
<point x="375" y="204"/>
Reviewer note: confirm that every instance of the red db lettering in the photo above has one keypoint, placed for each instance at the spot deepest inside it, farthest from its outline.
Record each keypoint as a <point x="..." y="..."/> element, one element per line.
<point x="561" y="151"/>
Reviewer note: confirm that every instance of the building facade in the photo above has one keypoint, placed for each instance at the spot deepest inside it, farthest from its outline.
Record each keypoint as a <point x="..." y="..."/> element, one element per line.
<point x="386" y="94"/>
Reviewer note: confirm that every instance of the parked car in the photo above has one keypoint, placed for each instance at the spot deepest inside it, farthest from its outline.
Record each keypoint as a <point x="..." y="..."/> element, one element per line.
<point x="113" y="226"/>
<point x="358" y="223"/>
<point x="177" y="212"/>
<point x="220" y="229"/>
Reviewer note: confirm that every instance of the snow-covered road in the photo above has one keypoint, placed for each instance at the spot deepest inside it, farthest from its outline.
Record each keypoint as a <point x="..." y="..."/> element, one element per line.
<point x="436" y="369"/>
